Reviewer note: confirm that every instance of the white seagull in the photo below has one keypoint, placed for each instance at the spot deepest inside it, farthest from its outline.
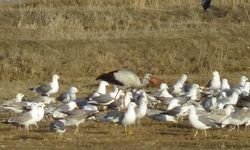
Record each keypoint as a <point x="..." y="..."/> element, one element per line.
<point x="129" y="117"/>
<point x="26" y="118"/>
<point x="199" y="122"/>
<point x="47" y="89"/>
<point x="142" y="108"/>
<point x="215" y="83"/>
<point x="69" y="95"/>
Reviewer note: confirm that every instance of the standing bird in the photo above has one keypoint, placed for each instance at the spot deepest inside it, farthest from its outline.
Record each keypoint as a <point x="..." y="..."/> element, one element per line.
<point x="127" y="79"/>
<point x="58" y="126"/>
<point x="199" y="122"/>
<point x="215" y="83"/>
<point x="69" y="95"/>
<point x="26" y="118"/>
<point x="129" y="117"/>
<point x="178" y="87"/>
<point x="142" y="109"/>
<point x="48" y="89"/>
<point x="205" y="4"/>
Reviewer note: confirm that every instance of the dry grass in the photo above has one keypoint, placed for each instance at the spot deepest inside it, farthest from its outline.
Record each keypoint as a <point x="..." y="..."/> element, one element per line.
<point x="79" y="39"/>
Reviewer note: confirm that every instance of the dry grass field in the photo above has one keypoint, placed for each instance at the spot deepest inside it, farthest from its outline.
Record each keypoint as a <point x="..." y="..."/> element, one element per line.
<point x="80" y="39"/>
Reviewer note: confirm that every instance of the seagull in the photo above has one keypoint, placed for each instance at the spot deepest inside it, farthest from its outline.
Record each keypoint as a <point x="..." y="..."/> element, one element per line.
<point x="111" y="116"/>
<point x="100" y="90"/>
<point x="19" y="97"/>
<point x="225" y="85"/>
<point x="57" y="113"/>
<point x="177" y="88"/>
<point x="240" y="85"/>
<point x="76" y="117"/>
<point x="44" y="99"/>
<point x="40" y="112"/>
<point x="220" y="114"/>
<point x="174" y="103"/>
<point x="69" y="95"/>
<point x="177" y="112"/>
<point x="26" y="118"/>
<point x="232" y="99"/>
<point x="246" y="89"/>
<point x="142" y="108"/>
<point x="47" y="89"/>
<point x="16" y="105"/>
<point x="192" y="94"/>
<point x="162" y="92"/>
<point x="215" y="83"/>
<point x="58" y="126"/>
<point x="237" y="118"/>
<point x="129" y="117"/>
<point x="199" y="122"/>
<point x="159" y="115"/>
<point x="105" y="99"/>
<point x="209" y="104"/>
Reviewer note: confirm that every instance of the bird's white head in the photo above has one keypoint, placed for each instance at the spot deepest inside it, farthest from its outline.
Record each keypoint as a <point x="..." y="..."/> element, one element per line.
<point x="163" y="86"/>
<point x="132" y="105"/>
<point x="73" y="89"/>
<point x="215" y="73"/>
<point x="19" y="95"/>
<point x="229" y="108"/>
<point x="55" y="77"/>
<point x="72" y="105"/>
<point x="243" y="79"/>
<point x="183" y="77"/>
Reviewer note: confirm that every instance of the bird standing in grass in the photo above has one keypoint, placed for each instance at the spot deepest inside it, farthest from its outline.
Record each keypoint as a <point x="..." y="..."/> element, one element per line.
<point x="129" y="117"/>
<point x="199" y="122"/>
<point x="126" y="79"/>
<point x="48" y="89"/>
<point x="26" y="118"/>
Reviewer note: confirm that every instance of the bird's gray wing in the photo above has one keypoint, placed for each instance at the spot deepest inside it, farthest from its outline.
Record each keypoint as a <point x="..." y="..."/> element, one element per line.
<point x="19" y="105"/>
<point x="173" y="112"/>
<point x="217" y="115"/>
<point x="63" y="108"/>
<point x="103" y="98"/>
<point x="24" y="117"/>
<point x="64" y="97"/>
<point x="43" y="88"/>
<point x="205" y="120"/>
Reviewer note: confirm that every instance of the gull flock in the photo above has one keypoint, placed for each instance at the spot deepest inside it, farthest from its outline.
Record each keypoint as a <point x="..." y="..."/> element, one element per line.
<point x="216" y="105"/>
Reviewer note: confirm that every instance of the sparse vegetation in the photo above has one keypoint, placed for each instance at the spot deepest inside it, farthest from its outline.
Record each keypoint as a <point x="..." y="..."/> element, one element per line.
<point x="80" y="39"/>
